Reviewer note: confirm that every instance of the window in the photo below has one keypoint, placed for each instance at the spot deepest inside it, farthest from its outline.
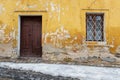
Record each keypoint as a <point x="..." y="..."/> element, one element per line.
<point x="94" y="27"/>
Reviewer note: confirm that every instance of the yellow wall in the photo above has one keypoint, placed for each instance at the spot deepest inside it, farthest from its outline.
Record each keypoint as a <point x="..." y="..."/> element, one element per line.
<point x="63" y="21"/>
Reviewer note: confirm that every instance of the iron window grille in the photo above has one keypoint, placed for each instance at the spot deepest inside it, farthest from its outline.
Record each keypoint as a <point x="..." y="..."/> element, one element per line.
<point x="94" y="27"/>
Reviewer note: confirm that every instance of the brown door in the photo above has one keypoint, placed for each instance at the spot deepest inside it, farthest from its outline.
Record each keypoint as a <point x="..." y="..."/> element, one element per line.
<point x="31" y="30"/>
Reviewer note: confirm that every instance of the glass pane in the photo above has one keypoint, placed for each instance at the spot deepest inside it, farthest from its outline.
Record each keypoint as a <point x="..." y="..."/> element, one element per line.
<point x="90" y="29"/>
<point x="98" y="29"/>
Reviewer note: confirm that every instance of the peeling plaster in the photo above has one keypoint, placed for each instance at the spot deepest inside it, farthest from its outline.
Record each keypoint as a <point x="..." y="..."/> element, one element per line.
<point x="55" y="8"/>
<point x="83" y="53"/>
<point x="18" y="2"/>
<point x="58" y="37"/>
<point x="25" y="4"/>
<point x="1" y="8"/>
<point x="52" y="6"/>
<point x="2" y="33"/>
<point x="6" y="50"/>
<point x="32" y="6"/>
<point x="1" y="36"/>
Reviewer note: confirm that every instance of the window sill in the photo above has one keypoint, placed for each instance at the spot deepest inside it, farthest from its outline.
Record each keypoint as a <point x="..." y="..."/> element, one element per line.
<point x="97" y="44"/>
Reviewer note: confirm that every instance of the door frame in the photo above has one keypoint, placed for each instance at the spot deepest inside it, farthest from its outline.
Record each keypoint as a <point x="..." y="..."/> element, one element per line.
<point x="19" y="31"/>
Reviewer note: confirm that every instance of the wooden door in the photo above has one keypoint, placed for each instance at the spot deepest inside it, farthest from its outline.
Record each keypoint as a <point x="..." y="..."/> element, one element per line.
<point x="31" y="33"/>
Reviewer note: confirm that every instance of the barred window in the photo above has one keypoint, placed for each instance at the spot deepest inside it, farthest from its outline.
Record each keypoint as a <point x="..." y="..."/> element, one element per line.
<point x="94" y="27"/>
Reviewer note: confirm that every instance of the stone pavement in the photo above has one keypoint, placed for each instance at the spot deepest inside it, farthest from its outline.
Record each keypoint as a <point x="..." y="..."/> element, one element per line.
<point x="12" y="74"/>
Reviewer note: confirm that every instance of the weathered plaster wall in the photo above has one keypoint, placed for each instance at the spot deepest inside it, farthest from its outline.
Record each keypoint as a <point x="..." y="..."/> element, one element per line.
<point x="63" y="25"/>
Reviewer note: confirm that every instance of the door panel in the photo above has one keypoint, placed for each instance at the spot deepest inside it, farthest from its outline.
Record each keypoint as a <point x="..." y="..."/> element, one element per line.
<point x="36" y="42"/>
<point x="26" y="38"/>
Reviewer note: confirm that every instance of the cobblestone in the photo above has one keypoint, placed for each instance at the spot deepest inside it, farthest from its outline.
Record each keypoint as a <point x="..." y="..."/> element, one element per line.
<point x="13" y="74"/>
